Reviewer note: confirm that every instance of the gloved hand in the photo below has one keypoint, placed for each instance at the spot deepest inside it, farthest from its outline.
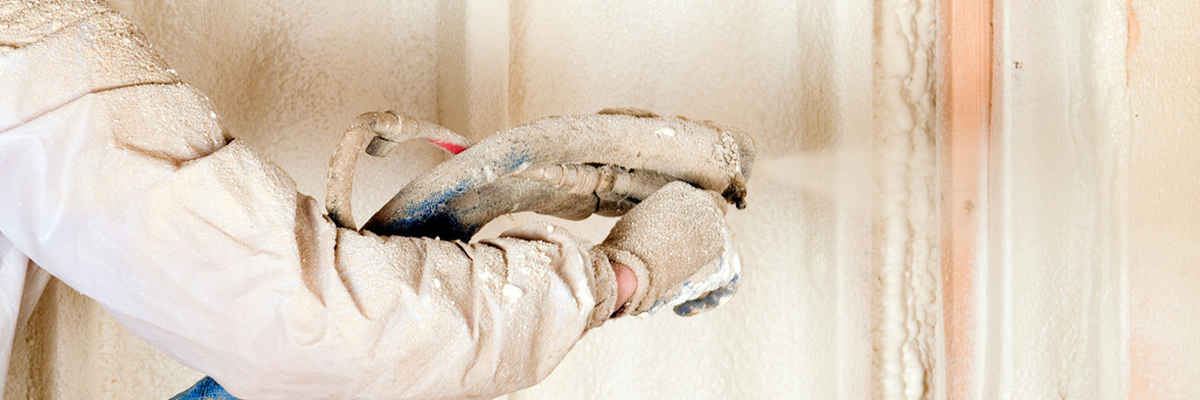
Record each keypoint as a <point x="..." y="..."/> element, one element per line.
<point x="677" y="243"/>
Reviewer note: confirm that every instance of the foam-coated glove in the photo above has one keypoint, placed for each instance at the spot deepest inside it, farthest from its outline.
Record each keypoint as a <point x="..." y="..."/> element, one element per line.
<point x="667" y="240"/>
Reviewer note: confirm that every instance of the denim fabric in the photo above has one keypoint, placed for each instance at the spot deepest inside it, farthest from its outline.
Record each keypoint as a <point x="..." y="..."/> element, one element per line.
<point x="205" y="389"/>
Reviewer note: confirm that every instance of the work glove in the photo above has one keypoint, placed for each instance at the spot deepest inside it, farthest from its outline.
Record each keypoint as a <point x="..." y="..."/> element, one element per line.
<point x="678" y="245"/>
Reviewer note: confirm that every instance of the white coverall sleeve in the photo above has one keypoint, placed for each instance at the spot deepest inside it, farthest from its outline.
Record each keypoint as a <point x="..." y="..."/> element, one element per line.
<point x="117" y="179"/>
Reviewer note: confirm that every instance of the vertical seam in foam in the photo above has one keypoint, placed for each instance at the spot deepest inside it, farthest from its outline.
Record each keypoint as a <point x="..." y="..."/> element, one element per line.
<point x="908" y="298"/>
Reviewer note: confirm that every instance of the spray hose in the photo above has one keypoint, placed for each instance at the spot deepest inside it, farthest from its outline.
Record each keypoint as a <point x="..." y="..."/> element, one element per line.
<point x="570" y="167"/>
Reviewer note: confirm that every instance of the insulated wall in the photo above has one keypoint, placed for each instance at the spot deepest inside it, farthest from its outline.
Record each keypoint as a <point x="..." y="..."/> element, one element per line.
<point x="1052" y="281"/>
<point x="1164" y="230"/>
<point x="953" y="199"/>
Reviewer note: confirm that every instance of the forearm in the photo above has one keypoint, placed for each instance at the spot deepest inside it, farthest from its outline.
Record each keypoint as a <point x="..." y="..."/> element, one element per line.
<point x="481" y="319"/>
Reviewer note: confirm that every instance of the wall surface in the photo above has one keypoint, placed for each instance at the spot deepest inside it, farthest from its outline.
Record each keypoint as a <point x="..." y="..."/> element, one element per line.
<point x="1164" y="231"/>
<point x="1080" y="281"/>
<point x="1076" y="282"/>
<point x="1054" y="265"/>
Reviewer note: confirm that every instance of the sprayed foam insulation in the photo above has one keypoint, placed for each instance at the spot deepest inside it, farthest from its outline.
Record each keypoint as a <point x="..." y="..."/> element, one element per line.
<point x="1164" y="228"/>
<point x="1054" y="288"/>
<point x="906" y="259"/>
<point x="855" y="267"/>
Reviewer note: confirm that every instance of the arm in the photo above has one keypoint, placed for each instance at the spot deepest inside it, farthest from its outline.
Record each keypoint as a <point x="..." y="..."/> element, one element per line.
<point x="218" y="261"/>
<point x="125" y="188"/>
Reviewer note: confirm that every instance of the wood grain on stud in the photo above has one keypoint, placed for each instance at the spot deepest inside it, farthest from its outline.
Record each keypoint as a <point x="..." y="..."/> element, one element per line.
<point x="966" y="50"/>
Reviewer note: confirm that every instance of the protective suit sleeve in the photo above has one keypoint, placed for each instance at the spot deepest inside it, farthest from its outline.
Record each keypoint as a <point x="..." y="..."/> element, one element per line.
<point x="125" y="188"/>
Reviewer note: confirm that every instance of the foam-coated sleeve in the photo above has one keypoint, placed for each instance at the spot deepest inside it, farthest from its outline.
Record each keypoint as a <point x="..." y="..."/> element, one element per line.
<point x="126" y="189"/>
<point x="218" y="261"/>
